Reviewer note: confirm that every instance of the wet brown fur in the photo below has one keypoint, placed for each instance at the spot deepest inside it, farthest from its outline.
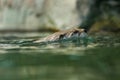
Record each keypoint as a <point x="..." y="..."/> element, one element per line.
<point x="59" y="35"/>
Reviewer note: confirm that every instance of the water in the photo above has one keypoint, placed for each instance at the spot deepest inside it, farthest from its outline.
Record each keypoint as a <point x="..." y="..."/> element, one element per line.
<point x="20" y="59"/>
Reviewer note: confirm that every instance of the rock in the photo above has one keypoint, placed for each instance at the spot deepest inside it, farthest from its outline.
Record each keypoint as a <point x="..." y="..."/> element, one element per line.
<point x="37" y="14"/>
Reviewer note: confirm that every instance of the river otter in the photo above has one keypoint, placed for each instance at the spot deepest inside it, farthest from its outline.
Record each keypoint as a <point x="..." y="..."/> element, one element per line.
<point x="64" y="35"/>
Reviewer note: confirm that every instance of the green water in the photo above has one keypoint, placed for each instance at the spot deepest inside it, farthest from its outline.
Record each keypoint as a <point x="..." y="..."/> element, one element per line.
<point x="20" y="59"/>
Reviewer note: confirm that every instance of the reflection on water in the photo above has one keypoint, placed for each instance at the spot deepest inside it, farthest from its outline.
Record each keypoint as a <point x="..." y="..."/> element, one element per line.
<point x="20" y="59"/>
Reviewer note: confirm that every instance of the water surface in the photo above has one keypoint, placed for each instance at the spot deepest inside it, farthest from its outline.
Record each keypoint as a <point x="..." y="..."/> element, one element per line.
<point x="21" y="59"/>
